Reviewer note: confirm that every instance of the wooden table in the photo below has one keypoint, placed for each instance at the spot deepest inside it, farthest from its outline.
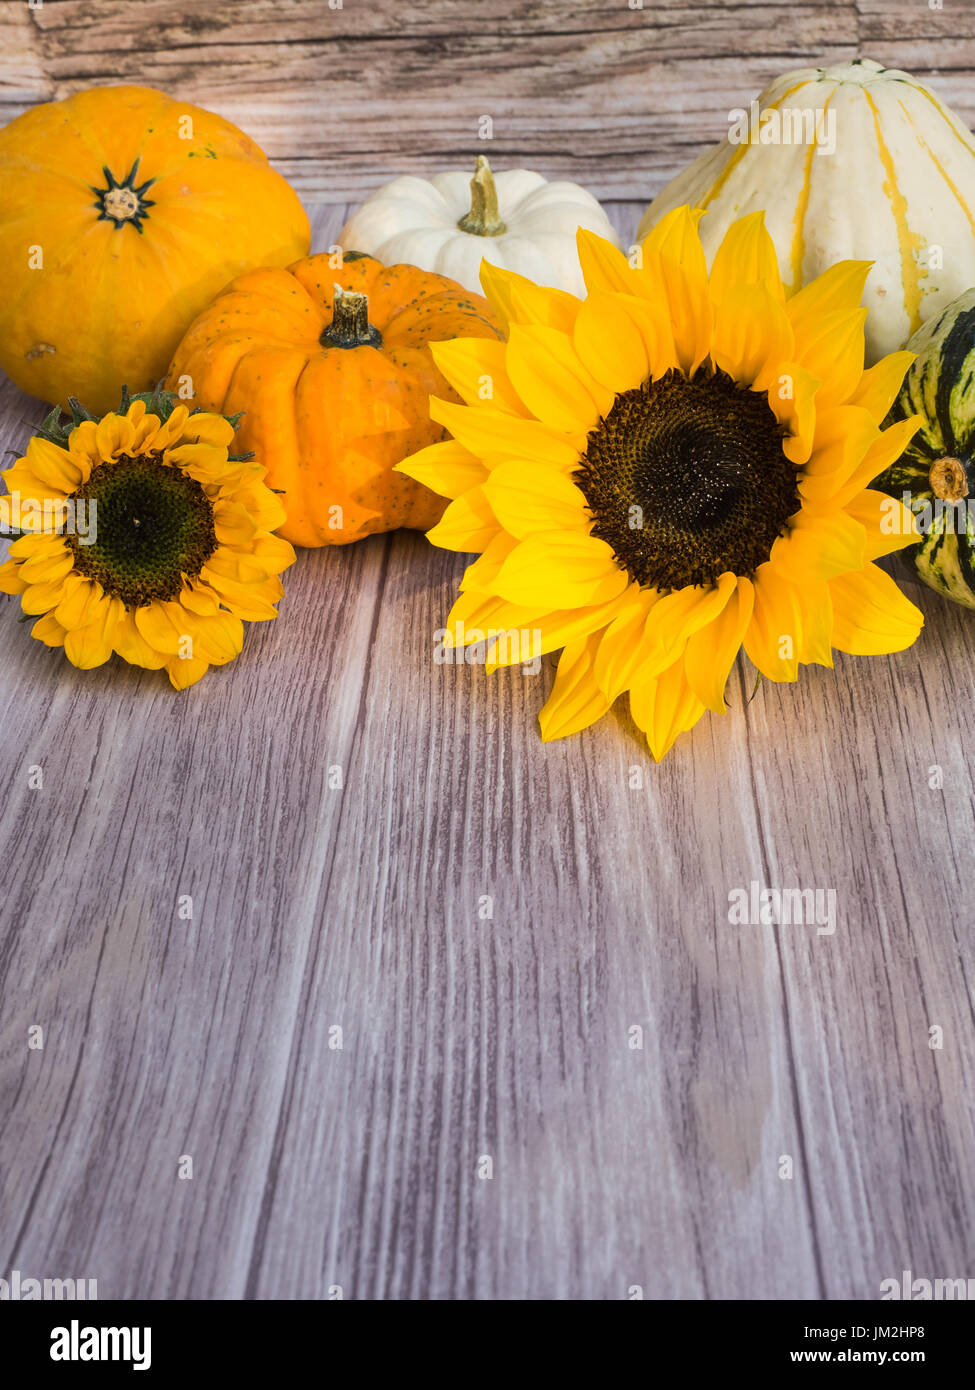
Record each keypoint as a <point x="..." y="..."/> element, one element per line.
<point x="479" y="947"/>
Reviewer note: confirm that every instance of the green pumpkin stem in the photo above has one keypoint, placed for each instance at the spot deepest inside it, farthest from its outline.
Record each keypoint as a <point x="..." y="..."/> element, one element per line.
<point x="350" y="326"/>
<point x="483" y="218"/>
<point x="948" y="479"/>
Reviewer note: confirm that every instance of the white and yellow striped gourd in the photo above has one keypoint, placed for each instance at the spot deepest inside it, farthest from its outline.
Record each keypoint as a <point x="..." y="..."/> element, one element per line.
<point x="855" y="161"/>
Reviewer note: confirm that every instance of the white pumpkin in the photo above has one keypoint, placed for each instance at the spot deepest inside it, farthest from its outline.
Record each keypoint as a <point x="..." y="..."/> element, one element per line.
<point x="898" y="189"/>
<point x="515" y="219"/>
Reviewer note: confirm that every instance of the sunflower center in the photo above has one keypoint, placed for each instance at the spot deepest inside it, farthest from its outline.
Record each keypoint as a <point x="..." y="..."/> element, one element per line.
<point x="686" y="479"/>
<point x="153" y="525"/>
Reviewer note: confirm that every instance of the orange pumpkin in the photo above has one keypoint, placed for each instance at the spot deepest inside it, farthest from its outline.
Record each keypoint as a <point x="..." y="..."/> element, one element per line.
<point x="122" y="213"/>
<point x="332" y="370"/>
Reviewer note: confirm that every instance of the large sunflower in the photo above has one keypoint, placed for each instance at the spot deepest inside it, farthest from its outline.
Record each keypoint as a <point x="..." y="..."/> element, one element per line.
<point x="176" y="550"/>
<point x="668" y="470"/>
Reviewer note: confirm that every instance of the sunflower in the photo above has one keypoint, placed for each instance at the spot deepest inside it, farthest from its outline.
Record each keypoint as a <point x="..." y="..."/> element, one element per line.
<point x="142" y="535"/>
<point x="668" y="470"/>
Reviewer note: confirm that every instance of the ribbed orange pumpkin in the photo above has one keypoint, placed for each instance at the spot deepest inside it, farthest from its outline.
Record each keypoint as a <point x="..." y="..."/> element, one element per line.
<point x="122" y="213"/>
<point x="332" y="369"/>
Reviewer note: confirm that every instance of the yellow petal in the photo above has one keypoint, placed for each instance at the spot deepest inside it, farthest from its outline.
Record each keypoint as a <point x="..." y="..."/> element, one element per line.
<point x="132" y="647"/>
<point x="10" y="580"/>
<point x="233" y="524"/>
<point x="446" y="468"/>
<point x="41" y="598"/>
<point x="156" y="627"/>
<point x="819" y="547"/>
<point x="536" y="635"/>
<point x="881" y="383"/>
<point x="711" y="651"/>
<point x="49" y="631"/>
<point x="625" y="643"/>
<point x="484" y="571"/>
<point x="186" y="672"/>
<point x="557" y="569"/>
<point x="61" y="470"/>
<point x="468" y="524"/>
<point x="774" y="636"/>
<point x="814" y="605"/>
<point x="609" y="344"/>
<point x="576" y="700"/>
<point x="476" y="369"/>
<point x="871" y="615"/>
<point x="91" y="646"/>
<point x="490" y="432"/>
<point x="746" y="256"/>
<point x="207" y="429"/>
<point x="674" y="267"/>
<point x="549" y="377"/>
<point x="113" y="434"/>
<point x="664" y="706"/>
<point x="516" y="299"/>
<point x="837" y="290"/>
<point x="881" y="454"/>
<point x="677" y="616"/>
<point x="45" y="568"/>
<point x="832" y="349"/>
<point x="528" y="500"/>
<point x="888" y="524"/>
<point x="752" y="336"/>
<point x="79" y="602"/>
<point x="604" y="267"/>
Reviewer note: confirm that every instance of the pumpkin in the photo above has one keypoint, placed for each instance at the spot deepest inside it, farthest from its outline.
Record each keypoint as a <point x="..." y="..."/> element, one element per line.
<point x="854" y="161"/>
<point x="513" y="219"/>
<point x="935" y="476"/>
<point x="122" y="213"/>
<point x="331" y="366"/>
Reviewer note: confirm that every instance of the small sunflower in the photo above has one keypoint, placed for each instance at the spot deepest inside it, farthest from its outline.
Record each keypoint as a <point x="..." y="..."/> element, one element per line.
<point x="142" y="535"/>
<point x="672" y="468"/>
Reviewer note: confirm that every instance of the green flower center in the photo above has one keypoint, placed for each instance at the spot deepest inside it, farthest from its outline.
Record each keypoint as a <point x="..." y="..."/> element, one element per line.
<point x="152" y="524"/>
<point x="686" y="479"/>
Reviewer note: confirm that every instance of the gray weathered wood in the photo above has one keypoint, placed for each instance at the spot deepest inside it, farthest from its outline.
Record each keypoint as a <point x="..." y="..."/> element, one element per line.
<point x="359" y="908"/>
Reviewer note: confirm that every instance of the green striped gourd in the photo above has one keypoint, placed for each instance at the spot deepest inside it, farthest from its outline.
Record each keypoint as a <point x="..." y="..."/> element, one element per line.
<point x="937" y="471"/>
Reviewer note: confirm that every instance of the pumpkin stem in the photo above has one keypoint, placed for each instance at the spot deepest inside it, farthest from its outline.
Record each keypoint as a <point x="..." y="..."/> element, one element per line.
<point x="948" y="479"/>
<point x="483" y="218"/>
<point x="350" y="326"/>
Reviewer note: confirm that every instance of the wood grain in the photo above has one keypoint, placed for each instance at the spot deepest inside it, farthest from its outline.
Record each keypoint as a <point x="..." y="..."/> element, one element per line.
<point x="463" y="1036"/>
<point x="343" y="100"/>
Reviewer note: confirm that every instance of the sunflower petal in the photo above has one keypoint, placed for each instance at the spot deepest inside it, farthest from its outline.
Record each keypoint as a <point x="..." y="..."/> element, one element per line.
<point x="881" y="383"/>
<point x="526" y="501"/>
<point x="746" y="257"/>
<point x="516" y="299"/>
<point x="490" y="432"/>
<point x="446" y="468"/>
<point x="711" y="651"/>
<point x="576" y="700"/>
<point x="664" y="706"/>
<point x="773" y="637"/>
<point x="552" y="382"/>
<point x="870" y="614"/>
<point x="557" y="569"/>
<point x="475" y="368"/>
<point x="468" y="524"/>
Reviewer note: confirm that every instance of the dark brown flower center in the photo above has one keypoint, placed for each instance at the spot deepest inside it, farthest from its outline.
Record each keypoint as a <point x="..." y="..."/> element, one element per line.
<point x="152" y="525"/>
<point x="686" y="479"/>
